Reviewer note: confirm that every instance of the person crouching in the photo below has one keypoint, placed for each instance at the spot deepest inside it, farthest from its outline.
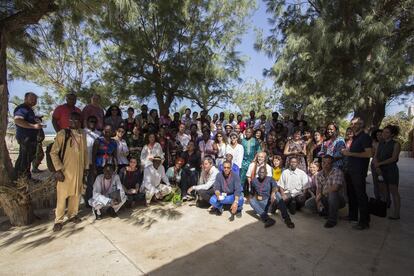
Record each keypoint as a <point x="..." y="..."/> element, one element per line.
<point x="108" y="193"/>
<point x="151" y="185"/>
<point x="227" y="191"/>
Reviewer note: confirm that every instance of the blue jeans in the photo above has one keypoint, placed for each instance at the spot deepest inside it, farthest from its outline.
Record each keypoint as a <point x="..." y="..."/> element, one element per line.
<point x="226" y="201"/>
<point x="261" y="207"/>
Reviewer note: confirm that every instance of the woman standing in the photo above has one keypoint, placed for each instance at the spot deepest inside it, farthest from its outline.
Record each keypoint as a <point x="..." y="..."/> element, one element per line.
<point x="385" y="160"/>
<point x="104" y="151"/>
<point x="376" y="136"/>
<point x="113" y="117"/>
<point x="220" y="146"/>
<point x="150" y="150"/>
<point x="236" y="150"/>
<point x="122" y="148"/>
<point x="333" y="145"/>
<point x="296" y="147"/>
<point x="136" y="143"/>
<point x="250" y="147"/>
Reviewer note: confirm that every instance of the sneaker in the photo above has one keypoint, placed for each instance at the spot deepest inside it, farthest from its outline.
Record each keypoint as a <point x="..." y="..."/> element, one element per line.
<point x="231" y="218"/>
<point x="269" y="222"/>
<point x="219" y="212"/>
<point x="289" y="223"/>
<point x="360" y="226"/>
<point x="57" y="227"/>
<point x="185" y="198"/>
<point x="329" y="224"/>
<point x="239" y="214"/>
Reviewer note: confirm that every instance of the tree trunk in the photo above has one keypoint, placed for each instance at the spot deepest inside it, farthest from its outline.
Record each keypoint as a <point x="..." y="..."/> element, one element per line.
<point x="372" y="114"/>
<point x="15" y="203"/>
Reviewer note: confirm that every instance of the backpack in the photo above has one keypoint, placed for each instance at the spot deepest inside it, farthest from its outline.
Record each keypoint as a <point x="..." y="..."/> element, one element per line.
<point x="49" y="161"/>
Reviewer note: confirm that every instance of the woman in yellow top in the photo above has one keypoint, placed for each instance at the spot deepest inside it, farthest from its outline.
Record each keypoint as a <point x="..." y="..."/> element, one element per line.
<point x="277" y="167"/>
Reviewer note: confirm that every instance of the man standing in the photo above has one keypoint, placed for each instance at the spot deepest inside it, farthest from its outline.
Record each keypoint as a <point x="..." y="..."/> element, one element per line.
<point x="358" y="160"/>
<point x="153" y="174"/>
<point x="207" y="178"/>
<point x="91" y="135"/>
<point x="329" y="198"/>
<point x="61" y="115"/>
<point x="293" y="181"/>
<point x="251" y="147"/>
<point x="94" y="109"/>
<point x="69" y="171"/>
<point x="27" y="129"/>
<point x="265" y="194"/>
<point x="227" y="190"/>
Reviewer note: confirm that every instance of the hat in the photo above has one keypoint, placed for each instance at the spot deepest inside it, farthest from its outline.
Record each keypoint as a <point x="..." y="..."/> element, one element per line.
<point x="230" y="125"/>
<point x="156" y="158"/>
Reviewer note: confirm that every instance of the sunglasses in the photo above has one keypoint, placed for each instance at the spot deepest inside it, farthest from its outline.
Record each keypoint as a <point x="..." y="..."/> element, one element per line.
<point x="219" y="136"/>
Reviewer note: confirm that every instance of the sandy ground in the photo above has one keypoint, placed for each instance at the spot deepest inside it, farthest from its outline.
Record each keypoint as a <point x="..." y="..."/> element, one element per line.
<point x="169" y="240"/>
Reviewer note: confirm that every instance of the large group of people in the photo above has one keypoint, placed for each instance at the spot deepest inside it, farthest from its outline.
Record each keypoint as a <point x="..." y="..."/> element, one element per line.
<point x="221" y="163"/>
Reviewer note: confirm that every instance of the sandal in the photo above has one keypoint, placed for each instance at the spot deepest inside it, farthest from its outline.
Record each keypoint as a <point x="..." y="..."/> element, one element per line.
<point x="57" y="227"/>
<point x="75" y="219"/>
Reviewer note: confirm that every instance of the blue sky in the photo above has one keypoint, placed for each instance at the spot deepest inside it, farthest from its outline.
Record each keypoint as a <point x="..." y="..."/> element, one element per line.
<point x="256" y="62"/>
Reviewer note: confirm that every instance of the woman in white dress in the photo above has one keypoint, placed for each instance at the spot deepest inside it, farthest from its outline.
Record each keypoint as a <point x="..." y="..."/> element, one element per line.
<point x="235" y="149"/>
<point x="151" y="149"/>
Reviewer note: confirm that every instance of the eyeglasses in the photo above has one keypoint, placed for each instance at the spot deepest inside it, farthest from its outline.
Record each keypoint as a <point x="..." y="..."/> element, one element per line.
<point x="227" y="167"/>
<point x="233" y="137"/>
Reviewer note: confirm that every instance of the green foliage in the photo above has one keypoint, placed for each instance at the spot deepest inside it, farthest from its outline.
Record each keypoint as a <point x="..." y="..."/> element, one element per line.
<point x="64" y="61"/>
<point x="406" y="126"/>
<point x="255" y="96"/>
<point x="338" y="56"/>
<point x="172" y="49"/>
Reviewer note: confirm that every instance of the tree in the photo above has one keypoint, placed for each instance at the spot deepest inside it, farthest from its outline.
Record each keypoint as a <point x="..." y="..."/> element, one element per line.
<point x="17" y="18"/>
<point x="255" y="96"/>
<point x="165" y="49"/>
<point x="67" y="64"/>
<point x="404" y="122"/>
<point x="353" y="55"/>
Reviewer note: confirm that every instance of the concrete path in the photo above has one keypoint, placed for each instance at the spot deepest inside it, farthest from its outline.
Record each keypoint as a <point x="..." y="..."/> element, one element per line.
<point x="169" y="240"/>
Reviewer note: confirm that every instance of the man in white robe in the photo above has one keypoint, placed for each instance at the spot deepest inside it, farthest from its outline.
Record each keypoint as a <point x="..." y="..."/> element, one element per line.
<point x="105" y="193"/>
<point x="151" y="185"/>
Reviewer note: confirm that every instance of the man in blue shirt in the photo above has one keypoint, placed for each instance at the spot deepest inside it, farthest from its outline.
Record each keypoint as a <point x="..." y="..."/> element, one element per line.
<point x="227" y="191"/>
<point x="27" y="128"/>
<point x="265" y="194"/>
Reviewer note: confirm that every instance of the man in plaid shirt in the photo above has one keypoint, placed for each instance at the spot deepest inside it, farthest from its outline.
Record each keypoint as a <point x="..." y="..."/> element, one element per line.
<point x="329" y="198"/>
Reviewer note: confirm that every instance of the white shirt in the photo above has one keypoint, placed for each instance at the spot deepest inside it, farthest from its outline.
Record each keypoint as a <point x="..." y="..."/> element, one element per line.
<point x="122" y="152"/>
<point x="207" y="179"/>
<point x="293" y="182"/>
<point x="91" y="136"/>
<point x="100" y="197"/>
<point x="237" y="154"/>
<point x="152" y="178"/>
<point x="269" y="170"/>
<point x="148" y="152"/>
<point x="184" y="139"/>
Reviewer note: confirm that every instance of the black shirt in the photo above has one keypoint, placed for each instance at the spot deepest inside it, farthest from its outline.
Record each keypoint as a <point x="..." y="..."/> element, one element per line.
<point x="360" y="142"/>
<point x="26" y="112"/>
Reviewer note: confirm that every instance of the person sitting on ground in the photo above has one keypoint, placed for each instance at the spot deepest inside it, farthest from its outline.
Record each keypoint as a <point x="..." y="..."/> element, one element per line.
<point x="191" y="171"/>
<point x="293" y="181"/>
<point x="205" y="189"/>
<point x="258" y="162"/>
<point x="174" y="173"/>
<point x="329" y="196"/>
<point x="227" y="191"/>
<point x="151" y="185"/>
<point x="131" y="179"/>
<point x="267" y="194"/>
<point x="234" y="168"/>
<point x="108" y="193"/>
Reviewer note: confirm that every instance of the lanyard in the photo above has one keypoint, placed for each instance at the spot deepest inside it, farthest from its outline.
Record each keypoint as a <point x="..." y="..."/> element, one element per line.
<point x="261" y="186"/>
<point x="226" y="182"/>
